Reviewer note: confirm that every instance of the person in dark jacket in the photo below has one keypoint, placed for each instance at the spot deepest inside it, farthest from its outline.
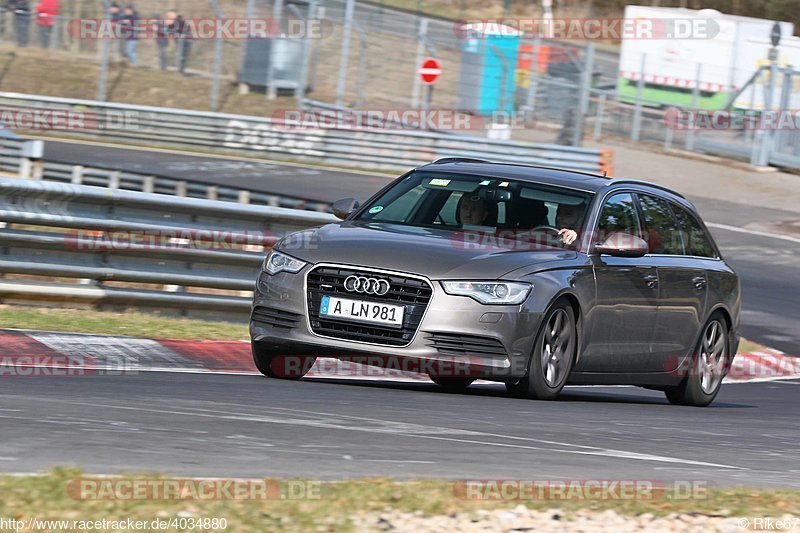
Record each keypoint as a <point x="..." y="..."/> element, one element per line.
<point x="46" y="16"/>
<point x="22" y="20"/>
<point x="115" y="16"/>
<point x="128" y="26"/>
<point x="183" y="42"/>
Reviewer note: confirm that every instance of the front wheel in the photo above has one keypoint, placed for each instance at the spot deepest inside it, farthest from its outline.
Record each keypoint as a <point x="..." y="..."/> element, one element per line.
<point x="279" y="366"/>
<point x="552" y="357"/>
<point x="708" y="366"/>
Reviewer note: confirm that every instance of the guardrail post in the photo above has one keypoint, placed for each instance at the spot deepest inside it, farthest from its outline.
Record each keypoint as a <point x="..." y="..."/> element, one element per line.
<point x="114" y="179"/>
<point x="77" y="175"/>
<point x="37" y="170"/>
<point x="212" y="193"/>
<point x="25" y="168"/>
<point x="180" y="188"/>
<point x="273" y="201"/>
<point x="244" y="197"/>
<point x="149" y="184"/>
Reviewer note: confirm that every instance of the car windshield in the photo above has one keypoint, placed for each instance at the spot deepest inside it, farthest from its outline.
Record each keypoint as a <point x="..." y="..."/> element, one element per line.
<point x="511" y="208"/>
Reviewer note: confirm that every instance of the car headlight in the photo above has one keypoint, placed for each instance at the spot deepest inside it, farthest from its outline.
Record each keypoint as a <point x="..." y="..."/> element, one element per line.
<point x="490" y="292"/>
<point x="280" y="262"/>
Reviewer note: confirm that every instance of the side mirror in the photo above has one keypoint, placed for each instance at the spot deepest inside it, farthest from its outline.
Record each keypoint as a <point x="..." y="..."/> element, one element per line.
<point x="344" y="208"/>
<point x="623" y="245"/>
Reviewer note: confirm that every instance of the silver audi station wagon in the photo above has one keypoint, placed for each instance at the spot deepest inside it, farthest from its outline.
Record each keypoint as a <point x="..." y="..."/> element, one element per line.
<point x="534" y="277"/>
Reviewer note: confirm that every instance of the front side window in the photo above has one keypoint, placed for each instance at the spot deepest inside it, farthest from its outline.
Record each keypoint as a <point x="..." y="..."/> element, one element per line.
<point x="698" y="243"/>
<point x="618" y="216"/>
<point x="661" y="230"/>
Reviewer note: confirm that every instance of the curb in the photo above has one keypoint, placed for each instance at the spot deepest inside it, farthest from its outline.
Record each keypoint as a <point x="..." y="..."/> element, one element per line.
<point x="116" y="354"/>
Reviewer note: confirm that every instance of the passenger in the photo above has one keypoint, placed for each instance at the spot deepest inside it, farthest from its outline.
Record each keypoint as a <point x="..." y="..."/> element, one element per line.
<point x="568" y="217"/>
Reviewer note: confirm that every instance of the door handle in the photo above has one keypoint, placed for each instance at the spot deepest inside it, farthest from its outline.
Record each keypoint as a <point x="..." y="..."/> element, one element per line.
<point x="651" y="280"/>
<point x="699" y="282"/>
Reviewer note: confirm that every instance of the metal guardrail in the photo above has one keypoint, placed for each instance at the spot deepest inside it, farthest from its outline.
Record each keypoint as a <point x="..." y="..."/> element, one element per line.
<point x="254" y="136"/>
<point x="128" y="249"/>
<point x="12" y="161"/>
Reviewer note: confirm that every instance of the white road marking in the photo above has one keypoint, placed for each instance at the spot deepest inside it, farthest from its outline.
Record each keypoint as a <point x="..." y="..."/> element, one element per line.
<point x="407" y="430"/>
<point x="753" y="232"/>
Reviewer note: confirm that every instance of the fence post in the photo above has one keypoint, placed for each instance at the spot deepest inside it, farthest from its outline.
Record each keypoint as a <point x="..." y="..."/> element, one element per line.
<point x="695" y="106"/>
<point x="212" y="192"/>
<point x="584" y="90"/>
<point x="180" y="188"/>
<point x="415" y="87"/>
<point x="149" y="184"/>
<point x="104" y="53"/>
<point x="601" y="113"/>
<point x="244" y="197"/>
<point x="637" y="113"/>
<point x="764" y="137"/>
<point x="347" y="32"/>
<point x="215" y="80"/>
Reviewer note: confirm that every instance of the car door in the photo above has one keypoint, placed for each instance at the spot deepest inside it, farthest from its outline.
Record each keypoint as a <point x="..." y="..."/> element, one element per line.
<point x="620" y="325"/>
<point x="682" y="282"/>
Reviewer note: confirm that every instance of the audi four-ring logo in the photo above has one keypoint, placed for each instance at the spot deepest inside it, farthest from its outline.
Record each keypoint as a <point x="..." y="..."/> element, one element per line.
<point x="365" y="285"/>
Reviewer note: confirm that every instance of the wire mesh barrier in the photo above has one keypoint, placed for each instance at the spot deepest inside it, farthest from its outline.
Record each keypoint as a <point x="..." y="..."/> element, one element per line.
<point x="125" y="249"/>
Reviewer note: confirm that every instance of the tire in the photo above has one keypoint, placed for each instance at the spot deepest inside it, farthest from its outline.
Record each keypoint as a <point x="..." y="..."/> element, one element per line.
<point x="708" y="367"/>
<point x="279" y="366"/>
<point x="451" y="384"/>
<point x="552" y="357"/>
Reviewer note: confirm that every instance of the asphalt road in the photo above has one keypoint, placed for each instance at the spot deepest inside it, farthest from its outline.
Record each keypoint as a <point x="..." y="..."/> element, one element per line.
<point x="318" y="184"/>
<point x="233" y="425"/>
<point x="767" y="266"/>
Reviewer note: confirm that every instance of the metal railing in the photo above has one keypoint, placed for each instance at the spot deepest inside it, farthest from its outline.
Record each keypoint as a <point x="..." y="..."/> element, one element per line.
<point x="393" y="150"/>
<point x="125" y="249"/>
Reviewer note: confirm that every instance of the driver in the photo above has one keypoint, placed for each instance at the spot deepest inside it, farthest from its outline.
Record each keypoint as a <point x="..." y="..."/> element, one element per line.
<point x="473" y="210"/>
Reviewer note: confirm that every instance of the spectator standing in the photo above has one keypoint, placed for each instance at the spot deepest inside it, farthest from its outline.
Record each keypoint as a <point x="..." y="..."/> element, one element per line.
<point x="22" y="20"/>
<point x="183" y="42"/>
<point x="115" y="16"/>
<point x="162" y="32"/>
<point x="46" y="14"/>
<point x="129" y="23"/>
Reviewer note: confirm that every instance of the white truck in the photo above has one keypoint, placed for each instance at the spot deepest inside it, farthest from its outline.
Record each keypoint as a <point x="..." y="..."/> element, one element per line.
<point x="723" y="59"/>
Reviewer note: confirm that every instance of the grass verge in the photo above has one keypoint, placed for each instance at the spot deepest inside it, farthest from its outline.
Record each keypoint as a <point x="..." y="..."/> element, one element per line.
<point x="333" y="503"/>
<point x="132" y="324"/>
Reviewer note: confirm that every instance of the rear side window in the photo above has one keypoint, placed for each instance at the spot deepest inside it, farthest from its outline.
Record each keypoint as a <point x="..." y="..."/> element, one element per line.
<point x="661" y="230"/>
<point x="618" y="216"/>
<point x="697" y="241"/>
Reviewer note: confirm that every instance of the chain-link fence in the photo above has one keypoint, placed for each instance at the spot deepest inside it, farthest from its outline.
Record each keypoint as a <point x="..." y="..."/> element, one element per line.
<point x="365" y="56"/>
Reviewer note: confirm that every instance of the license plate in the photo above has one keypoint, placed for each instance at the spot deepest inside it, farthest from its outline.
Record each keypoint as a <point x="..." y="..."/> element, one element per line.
<point x="362" y="311"/>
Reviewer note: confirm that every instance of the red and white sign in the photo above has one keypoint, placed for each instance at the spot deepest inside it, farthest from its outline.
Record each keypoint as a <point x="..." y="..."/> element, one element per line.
<point x="430" y="70"/>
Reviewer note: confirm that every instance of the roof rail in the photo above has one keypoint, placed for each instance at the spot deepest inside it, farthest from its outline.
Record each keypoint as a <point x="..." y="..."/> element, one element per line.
<point x="474" y="160"/>
<point x="648" y="184"/>
<point x="458" y="160"/>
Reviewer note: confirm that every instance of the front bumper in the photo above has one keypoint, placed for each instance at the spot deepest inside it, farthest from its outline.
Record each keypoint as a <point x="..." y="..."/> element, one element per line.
<point x="493" y="341"/>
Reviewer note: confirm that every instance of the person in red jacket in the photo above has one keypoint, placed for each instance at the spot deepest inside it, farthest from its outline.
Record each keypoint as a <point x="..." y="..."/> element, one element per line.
<point x="46" y="13"/>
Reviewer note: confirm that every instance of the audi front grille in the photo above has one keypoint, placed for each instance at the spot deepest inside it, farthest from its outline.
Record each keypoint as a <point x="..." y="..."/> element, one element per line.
<point x="412" y="293"/>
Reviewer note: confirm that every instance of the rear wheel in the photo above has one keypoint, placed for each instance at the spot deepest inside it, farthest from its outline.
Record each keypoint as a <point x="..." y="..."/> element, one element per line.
<point x="708" y="366"/>
<point x="281" y="366"/>
<point x="552" y="358"/>
<point x="452" y="384"/>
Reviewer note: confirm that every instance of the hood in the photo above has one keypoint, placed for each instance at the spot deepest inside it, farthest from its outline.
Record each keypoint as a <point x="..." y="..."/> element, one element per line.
<point x="435" y="253"/>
